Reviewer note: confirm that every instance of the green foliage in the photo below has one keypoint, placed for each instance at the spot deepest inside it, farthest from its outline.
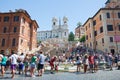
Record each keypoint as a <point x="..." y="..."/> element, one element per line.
<point x="79" y="24"/>
<point x="71" y="36"/>
<point x="82" y="39"/>
<point x="39" y="42"/>
<point x="57" y="36"/>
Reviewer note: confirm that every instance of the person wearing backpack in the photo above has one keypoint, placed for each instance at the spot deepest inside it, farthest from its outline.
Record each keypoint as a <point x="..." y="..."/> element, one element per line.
<point x="21" y="64"/>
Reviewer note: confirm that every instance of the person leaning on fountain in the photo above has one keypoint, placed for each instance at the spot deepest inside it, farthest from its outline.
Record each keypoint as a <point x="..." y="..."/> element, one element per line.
<point x="52" y="65"/>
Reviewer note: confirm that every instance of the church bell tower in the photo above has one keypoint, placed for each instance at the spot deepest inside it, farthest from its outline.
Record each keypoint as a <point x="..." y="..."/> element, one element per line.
<point x="54" y="23"/>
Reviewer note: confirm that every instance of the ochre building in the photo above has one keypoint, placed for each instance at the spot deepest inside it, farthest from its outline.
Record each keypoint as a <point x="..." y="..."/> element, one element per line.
<point x="17" y="31"/>
<point x="79" y="32"/>
<point x="103" y="29"/>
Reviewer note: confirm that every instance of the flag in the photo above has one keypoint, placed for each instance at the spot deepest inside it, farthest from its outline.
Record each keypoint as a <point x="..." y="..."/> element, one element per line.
<point x="117" y="38"/>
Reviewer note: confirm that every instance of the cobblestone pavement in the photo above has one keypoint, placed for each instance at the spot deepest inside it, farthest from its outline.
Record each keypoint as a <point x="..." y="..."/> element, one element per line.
<point x="100" y="75"/>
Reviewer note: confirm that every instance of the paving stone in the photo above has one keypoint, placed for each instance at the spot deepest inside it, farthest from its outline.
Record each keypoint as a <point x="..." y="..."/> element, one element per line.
<point x="100" y="75"/>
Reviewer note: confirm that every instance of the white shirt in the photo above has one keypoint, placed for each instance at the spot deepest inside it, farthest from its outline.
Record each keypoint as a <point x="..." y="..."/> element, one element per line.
<point x="14" y="58"/>
<point x="1" y="56"/>
<point x="42" y="59"/>
<point x="21" y="57"/>
<point x="87" y="62"/>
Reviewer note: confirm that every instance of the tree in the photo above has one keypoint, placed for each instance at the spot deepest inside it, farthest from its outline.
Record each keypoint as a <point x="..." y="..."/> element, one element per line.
<point x="71" y="36"/>
<point x="79" y="24"/>
<point x="82" y="39"/>
<point x="39" y="41"/>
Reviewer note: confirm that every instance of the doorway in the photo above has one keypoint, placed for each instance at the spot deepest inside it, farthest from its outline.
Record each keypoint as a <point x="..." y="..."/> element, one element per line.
<point x="112" y="51"/>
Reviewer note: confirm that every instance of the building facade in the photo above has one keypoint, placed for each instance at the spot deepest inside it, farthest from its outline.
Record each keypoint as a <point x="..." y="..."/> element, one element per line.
<point x="58" y="30"/>
<point x="79" y="32"/>
<point x="103" y="29"/>
<point x="43" y="35"/>
<point x="17" y="31"/>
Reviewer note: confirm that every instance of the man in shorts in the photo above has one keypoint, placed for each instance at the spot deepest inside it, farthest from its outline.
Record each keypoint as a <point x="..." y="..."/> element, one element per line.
<point x="21" y="64"/>
<point x="13" y="59"/>
<point x="41" y="59"/>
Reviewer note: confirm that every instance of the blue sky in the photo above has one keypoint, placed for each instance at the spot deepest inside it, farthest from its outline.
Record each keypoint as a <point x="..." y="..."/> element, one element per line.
<point x="44" y="10"/>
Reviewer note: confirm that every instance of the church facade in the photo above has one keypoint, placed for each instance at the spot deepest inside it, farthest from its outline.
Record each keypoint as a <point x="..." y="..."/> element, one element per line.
<point x="59" y="30"/>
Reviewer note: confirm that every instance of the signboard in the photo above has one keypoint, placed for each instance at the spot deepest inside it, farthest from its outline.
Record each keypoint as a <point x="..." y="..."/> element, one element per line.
<point x="111" y="46"/>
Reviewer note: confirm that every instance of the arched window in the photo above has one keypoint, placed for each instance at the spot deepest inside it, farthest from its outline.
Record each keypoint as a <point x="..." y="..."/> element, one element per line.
<point x="3" y="42"/>
<point x="13" y="42"/>
<point x="53" y="23"/>
<point x="65" y="21"/>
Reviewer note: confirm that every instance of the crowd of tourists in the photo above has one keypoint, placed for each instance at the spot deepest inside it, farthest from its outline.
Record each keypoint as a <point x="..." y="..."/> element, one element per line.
<point x="24" y="63"/>
<point x="29" y="63"/>
<point x="92" y="62"/>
